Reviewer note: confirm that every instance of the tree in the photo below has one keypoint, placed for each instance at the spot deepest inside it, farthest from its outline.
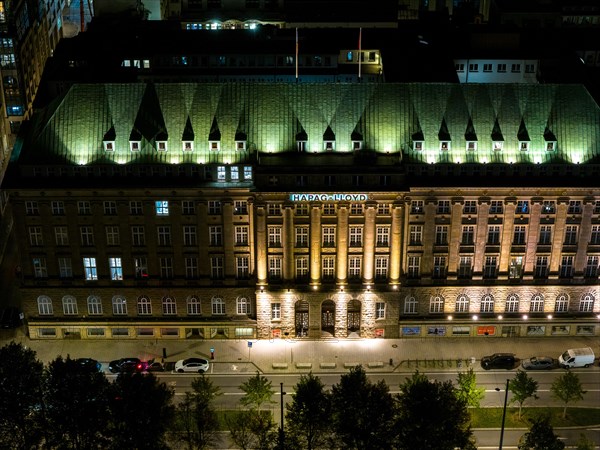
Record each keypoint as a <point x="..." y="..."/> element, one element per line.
<point x="141" y="411"/>
<point x="76" y="405"/>
<point x="252" y="430"/>
<point x="467" y="389"/>
<point x="258" y="391"/>
<point x="541" y="436"/>
<point x="522" y="387"/>
<point x="430" y="415"/>
<point x="198" y="423"/>
<point x="568" y="389"/>
<point x="307" y="416"/>
<point x="362" y="412"/>
<point x="585" y="443"/>
<point x="20" y="394"/>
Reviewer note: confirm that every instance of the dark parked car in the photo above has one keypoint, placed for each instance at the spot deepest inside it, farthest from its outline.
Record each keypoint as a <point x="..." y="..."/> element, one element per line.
<point x="539" y="363"/>
<point x="499" y="361"/>
<point x="126" y="365"/>
<point x="89" y="363"/>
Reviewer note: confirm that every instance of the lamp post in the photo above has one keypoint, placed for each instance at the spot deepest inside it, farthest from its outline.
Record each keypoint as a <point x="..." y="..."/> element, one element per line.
<point x="503" y="413"/>
<point x="281" y="432"/>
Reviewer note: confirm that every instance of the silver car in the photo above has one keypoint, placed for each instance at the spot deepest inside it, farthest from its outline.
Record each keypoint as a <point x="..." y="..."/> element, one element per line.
<point x="539" y="363"/>
<point x="197" y="365"/>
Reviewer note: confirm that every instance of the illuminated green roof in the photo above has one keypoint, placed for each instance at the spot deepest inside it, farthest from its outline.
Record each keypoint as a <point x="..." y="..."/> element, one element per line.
<point x="270" y="117"/>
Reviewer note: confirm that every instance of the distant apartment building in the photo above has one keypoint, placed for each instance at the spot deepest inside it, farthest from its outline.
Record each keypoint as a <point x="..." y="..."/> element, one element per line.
<point x="496" y="70"/>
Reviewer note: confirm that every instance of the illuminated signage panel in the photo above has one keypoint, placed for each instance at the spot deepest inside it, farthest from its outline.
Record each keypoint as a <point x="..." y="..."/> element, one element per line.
<point x="347" y="197"/>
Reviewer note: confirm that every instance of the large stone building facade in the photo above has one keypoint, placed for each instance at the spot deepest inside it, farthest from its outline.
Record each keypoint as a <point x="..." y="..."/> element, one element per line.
<point x="277" y="211"/>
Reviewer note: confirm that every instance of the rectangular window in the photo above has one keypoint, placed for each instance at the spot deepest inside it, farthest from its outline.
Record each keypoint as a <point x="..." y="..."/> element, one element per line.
<point x="540" y="269"/>
<point x="549" y="207"/>
<point x="191" y="268"/>
<point x="162" y="207"/>
<point x="189" y="235"/>
<point x="545" y="235"/>
<point x="441" y="235"/>
<point x="591" y="267"/>
<point x="242" y="264"/>
<point x="566" y="267"/>
<point x="39" y="268"/>
<point x="382" y="236"/>
<point x="247" y="173"/>
<point x="515" y="268"/>
<point x="487" y="67"/>
<point x="490" y="267"/>
<point x="301" y="237"/>
<point x="595" y="237"/>
<point x="470" y="207"/>
<point x="354" y="267"/>
<point x="414" y="267"/>
<point x="274" y="236"/>
<point x="519" y="234"/>
<point x="89" y="268"/>
<point x="328" y="236"/>
<point x="443" y="207"/>
<point x="439" y="267"/>
<point x="571" y="234"/>
<point x="136" y="208"/>
<point x="522" y="207"/>
<point x="141" y="267"/>
<point x="501" y="67"/>
<point x="379" y="310"/>
<point x="138" y="236"/>
<point x="328" y="267"/>
<point x="381" y="267"/>
<point x="164" y="235"/>
<point x="110" y="208"/>
<point x="468" y="235"/>
<point x="166" y="267"/>
<point x="240" y="207"/>
<point x="356" y="234"/>
<point x="216" y="268"/>
<point x="596" y="207"/>
<point x="221" y="173"/>
<point x="65" y="269"/>
<point x="416" y="234"/>
<point x="31" y="208"/>
<point x="473" y="67"/>
<point x="574" y="207"/>
<point x="61" y="235"/>
<point x="188" y="207"/>
<point x="493" y="235"/>
<point x="234" y="173"/>
<point x="416" y="207"/>
<point x="116" y="269"/>
<point x="496" y="207"/>
<point x="112" y="235"/>
<point x="301" y="267"/>
<point x="87" y="236"/>
<point x="215" y="234"/>
<point x="465" y="267"/>
<point x="515" y="68"/>
<point x="301" y="209"/>
<point x="383" y="209"/>
<point x="275" y="263"/>
<point x="241" y="235"/>
<point x="329" y="209"/>
<point x="274" y="209"/>
<point x="356" y="209"/>
<point x="214" y="207"/>
<point x="57" y="207"/>
<point x="275" y="311"/>
<point x="35" y="236"/>
<point x="529" y="68"/>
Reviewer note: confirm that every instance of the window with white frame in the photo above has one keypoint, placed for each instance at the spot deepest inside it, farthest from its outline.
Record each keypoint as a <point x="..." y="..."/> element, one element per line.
<point x="275" y="263"/>
<point x="44" y="306"/>
<point x="35" y="236"/>
<point x="136" y="208"/>
<point x="596" y="207"/>
<point x="411" y="306"/>
<point x="439" y="267"/>
<point x="189" y="235"/>
<point x="566" y="267"/>
<point x="471" y="146"/>
<point x="84" y="208"/>
<point x="382" y="236"/>
<point x="522" y="207"/>
<point x="512" y="304"/>
<point x="32" y="208"/>
<point x="134" y="146"/>
<point x="242" y="265"/>
<point x="379" y="310"/>
<point x="274" y="236"/>
<point x="354" y="267"/>
<point x="247" y="173"/>
<point x="415" y="235"/>
<point x="302" y="209"/>
<point x="545" y="235"/>
<point x="191" y="268"/>
<point x="414" y="267"/>
<point x="586" y="304"/>
<point x="328" y="267"/>
<point x="144" y="306"/>
<point x="497" y="145"/>
<point x="110" y="208"/>
<point x="462" y="304"/>
<point x="487" y="304"/>
<point x="65" y="269"/>
<point x="496" y="207"/>
<point x="138" y="236"/>
<point x="69" y="304"/>
<point x="536" y="304"/>
<point x="418" y="146"/>
<point x="90" y="269"/>
<point x="493" y="237"/>
<point x="515" y="68"/>
<point x="328" y="236"/>
<point x="540" y="270"/>
<point x="383" y="209"/>
<point x="161" y="146"/>
<point x="39" y="267"/>
<point x="234" y="173"/>
<point x="116" y="268"/>
<point x="561" y="305"/>
<point x="595" y="236"/>
<point x="161" y="207"/>
<point x="515" y="267"/>
<point x="61" y="236"/>
<point x="329" y="209"/>
<point x="216" y="268"/>
<point x="490" y="267"/>
<point x="465" y="267"/>
<point x="571" y="234"/>
<point x="221" y="173"/>
<point x="243" y="306"/>
<point x="441" y="235"/>
<point x="301" y="267"/>
<point x="301" y="236"/>
<point x="519" y="234"/>
<point x="164" y="235"/>
<point x="381" y="267"/>
<point x="274" y="209"/>
<point x="240" y="207"/>
<point x="187" y="146"/>
<point x="443" y="207"/>
<point x="591" y="267"/>
<point x="549" y="207"/>
<point x="574" y="207"/>
<point x="215" y="233"/>
<point x="94" y="305"/>
<point x="470" y="207"/>
<point x="468" y="235"/>
<point x="356" y="236"/>
<point x="356" y="208"/>
<point x="87" y="235"/>
<point x="436" y="304"/>
<point x="214" y="207"/>
<point x="112" y="235"/>
<point x="194" y="306"/>
<point x="165" y="264"/>
<point x="217" y="306"/>
<point x="188" y="207"/>
<point x="57" y="207"/>
<point x="169" y="306"/>
<point x="275" y="311"/>
<point x="119" y="306"/>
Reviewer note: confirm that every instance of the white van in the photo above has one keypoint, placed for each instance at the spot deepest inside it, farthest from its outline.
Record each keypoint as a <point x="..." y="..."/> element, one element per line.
<point x="577" y="357"/>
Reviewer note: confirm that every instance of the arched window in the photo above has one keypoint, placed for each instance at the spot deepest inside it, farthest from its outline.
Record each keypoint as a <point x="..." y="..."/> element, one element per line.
<point x="586" y="304"/>
<point x="436" y="304"/>
<point x="243" y="305"/>
<point x="562" y="304"/>
<point x="144" y="307"/>
<point x="69" y="304"/>
<point x="512" y="304"/>
<point x="537" y="303"/>
<point x="44" y="305"/>
<point x="218" y="306"/>
<point x="94" y="305"/>
<point x="487" y="304"/>
<point x="119" y="305"/>
<point x="169" y="307"/>
<point x="462" y="304"/>
<point x="194" y="307"/>
<point x="411" y="306"/>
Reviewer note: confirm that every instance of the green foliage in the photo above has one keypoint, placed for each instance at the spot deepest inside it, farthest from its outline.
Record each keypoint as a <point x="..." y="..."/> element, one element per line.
<point x="585" y="443"/>
<point x="252" y="429"/>
<point x="258" y="391"/>
<point x="430" y="415"/>
<point x="307" y="417"/>
<point x="76" y="405"/>
<point x="568" y="389"/>
<point x="541" y="436"/>
<point x="467" y="389"/>
<point x="141" y="412"/>
<point x="362" y="411"/>
<point x="20" y="394"/>
<point x="522" y="387"/>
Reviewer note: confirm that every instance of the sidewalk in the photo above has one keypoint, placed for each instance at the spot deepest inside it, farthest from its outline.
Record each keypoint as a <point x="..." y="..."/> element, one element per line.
<point x="302" y="356"/>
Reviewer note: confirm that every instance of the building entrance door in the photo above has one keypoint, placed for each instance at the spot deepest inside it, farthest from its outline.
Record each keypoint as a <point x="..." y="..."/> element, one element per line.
<point x="301" y="322"/>
<point x="354" y="318"/>
<point x="328" y="319"/>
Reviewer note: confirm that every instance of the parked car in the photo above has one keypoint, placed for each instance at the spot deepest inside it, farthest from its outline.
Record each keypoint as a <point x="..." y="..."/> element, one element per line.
<point x="577" y="357"/>
<point x="126" y="365"/>
<point x="198" y="365"/>
<point x="89" y="363"/>
<point x="499" y="361"/>
<point x="155" y="366"/>
<point x="539" y="363"/>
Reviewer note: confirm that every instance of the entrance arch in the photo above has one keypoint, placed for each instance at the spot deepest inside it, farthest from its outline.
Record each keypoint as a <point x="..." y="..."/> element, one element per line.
<point x="328" y="319"/>
<point x="301" y="318"/>
<point x="354" y="307"/>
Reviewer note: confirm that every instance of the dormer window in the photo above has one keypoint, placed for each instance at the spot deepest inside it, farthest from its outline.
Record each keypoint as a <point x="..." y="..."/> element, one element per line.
<point x="329" y="146"/>
<point x="135" y="146"/>
<point x="550" y="146"/>
<point x="357" y="145"/>
<point x="444" y="146"/>
<point x="161" y="146"/>
<point x="497" y="145"/>
<point x="418" y="146"/>
<point x="214" y="146"/>
<point x="109" y="146"/>
<point x="523" y="146"/>
<point x="471" y="146"/>
<point x="188" y="146"/>
<point x="240" y="146"/>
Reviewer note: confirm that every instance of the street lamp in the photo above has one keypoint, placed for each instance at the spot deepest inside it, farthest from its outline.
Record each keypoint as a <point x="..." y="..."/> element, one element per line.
<point x="503" y="413"/>
<point x="281" y="432"/>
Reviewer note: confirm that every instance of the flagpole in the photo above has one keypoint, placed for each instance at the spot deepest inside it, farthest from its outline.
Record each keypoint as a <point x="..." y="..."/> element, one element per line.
<point x="296" y="54"/>
<point x="359" y="52"/>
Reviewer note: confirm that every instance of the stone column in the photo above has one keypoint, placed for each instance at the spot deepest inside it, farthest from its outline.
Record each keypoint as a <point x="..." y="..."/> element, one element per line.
<point x="506" y="238"/>
<point x="455" y="235"/>
<point x="228" y="238"/>
<point x="369" y="244"/>
<point x="288" y="242"/>
<point x="261" y="245"/>
<point x="396" y="242"/>
<point x="533" y="237"/>
<point x="558" y="237"/>
<point x="341" y="270"/>
<point x="483" y="213"/>
<point x="315" y="244"/>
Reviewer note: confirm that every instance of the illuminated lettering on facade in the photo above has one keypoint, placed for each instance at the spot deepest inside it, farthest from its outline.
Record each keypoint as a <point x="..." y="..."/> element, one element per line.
<point x="329" y="197"/>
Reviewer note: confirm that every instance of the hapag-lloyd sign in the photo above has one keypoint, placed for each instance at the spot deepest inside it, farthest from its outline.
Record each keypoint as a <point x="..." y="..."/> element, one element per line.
<point x="323" y="197"/>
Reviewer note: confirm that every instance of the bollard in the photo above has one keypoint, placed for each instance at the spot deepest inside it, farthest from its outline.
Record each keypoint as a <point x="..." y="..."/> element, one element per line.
<point x="212" y="353"/>
<point x="391" y="362"/>
<point x="164" y="353"/>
